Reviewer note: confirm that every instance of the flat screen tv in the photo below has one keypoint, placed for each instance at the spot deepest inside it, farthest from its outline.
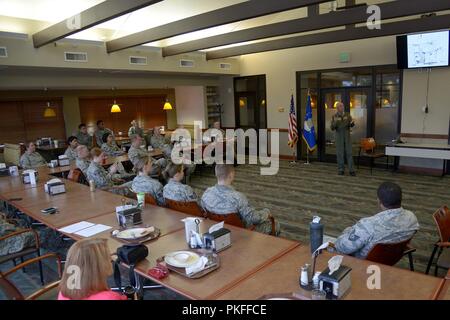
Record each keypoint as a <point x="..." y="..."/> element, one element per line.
<point x="424" y="50"/>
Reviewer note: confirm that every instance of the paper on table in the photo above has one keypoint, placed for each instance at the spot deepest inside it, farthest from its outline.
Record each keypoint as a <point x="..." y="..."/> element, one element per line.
<point x="96" y="229"/>
<point x="216" y="227"/>
<point x="197" y="267"/>
<point x="76" y="227"/>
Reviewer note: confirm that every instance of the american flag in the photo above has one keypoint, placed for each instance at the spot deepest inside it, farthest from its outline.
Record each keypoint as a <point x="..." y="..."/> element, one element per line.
<point x="293" y="133"/>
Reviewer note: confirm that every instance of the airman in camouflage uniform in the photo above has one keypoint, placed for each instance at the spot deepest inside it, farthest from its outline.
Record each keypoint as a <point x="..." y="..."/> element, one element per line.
<point x="83" y="165"/>
<point x="135" y="129"/>
<point x="83" y="136"/>
<point x="71" y="152"/>
<point x="159" y="142"/>
<point x="101" y="130"/>
<point x="112" y="149"/>
<point x="341" y="122"/>
<point x="143" y="183"/>
<point x="224" y="199"/>
<point x="16" y="243"/>
<point x="136" y="153"/>
<point x="394" y="224"/>
<point x="101" y="177"/>
<point x="175" y="190"/>
<point x="31" y="159"/>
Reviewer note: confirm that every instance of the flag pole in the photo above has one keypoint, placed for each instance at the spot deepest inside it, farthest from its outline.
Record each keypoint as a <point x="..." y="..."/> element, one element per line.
<point x="294" y="161"/>
<point x="307" y="156"/>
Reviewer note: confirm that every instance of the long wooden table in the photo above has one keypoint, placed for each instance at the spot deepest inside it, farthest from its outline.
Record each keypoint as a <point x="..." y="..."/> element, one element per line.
<point x="77" y="204"/>
<point x="282" y="277"/>
<point x="255" y="264"/>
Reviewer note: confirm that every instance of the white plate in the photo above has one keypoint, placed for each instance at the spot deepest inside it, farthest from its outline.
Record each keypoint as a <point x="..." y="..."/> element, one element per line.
<point x="181" y="259"/>
<point x="134" y="233"/>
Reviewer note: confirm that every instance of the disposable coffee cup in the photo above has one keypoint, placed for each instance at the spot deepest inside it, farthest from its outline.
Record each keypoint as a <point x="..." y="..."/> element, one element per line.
<point x="56" y="143"/>
<point x="141" y="199"/>
<point x="92" y="185"/>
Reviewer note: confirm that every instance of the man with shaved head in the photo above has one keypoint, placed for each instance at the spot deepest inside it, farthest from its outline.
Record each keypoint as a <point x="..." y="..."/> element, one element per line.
<point x="342" y="122"/>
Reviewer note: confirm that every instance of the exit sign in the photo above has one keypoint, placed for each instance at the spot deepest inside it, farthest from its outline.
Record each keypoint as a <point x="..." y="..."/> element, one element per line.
<point x="344" y="57"/>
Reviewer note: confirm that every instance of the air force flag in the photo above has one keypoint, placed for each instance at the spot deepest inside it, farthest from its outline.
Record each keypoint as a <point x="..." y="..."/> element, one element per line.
<point x="309" y="133"/>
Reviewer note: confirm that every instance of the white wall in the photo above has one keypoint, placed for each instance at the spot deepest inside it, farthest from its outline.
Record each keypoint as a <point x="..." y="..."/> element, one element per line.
<point x="280" y="68"/>
<point x="190" y="104"/>
<point x="414" y="120"/>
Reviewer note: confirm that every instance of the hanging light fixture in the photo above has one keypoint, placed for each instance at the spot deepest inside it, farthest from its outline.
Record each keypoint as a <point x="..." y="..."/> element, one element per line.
<point x="49" y="112"/>
<point x="167" y="105"/>
<point x="115" y="108"/>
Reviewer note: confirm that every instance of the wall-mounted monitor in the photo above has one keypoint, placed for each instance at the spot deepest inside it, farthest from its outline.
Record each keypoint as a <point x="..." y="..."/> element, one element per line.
<point x="424" y="50"/>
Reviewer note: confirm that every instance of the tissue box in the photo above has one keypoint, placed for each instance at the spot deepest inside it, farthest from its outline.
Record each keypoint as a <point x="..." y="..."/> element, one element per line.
<point x="221" y="239"/>
<point x="55" y="188"/>
<point x="26" y="177"/>
<point x="336" y="285"/>
<point x="127" y="215"/>
<point x="64" y="161"/>
<point x="4" y="171"/>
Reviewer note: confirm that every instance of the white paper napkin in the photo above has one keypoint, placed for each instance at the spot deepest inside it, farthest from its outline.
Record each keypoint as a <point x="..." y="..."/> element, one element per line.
<point x="198" y="266"/>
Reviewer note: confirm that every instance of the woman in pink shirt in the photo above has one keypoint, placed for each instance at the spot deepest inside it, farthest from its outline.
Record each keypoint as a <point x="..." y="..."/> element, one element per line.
<point x="86" y="272"/>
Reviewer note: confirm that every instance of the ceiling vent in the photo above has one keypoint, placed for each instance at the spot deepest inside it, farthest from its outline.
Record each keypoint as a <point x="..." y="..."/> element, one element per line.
<point x="187" y="63"/>
<point x="3" y="52"/>
<point x="75" y="56"/>
<point x="138" y="60"/>
<point x="225" y="66"/>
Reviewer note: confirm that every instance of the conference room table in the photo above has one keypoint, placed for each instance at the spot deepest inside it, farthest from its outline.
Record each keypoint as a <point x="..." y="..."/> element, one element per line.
<point x="255" y="265"/>
<point x="444" y="292"/>
<point x="77" y="204"/>
<point x="282" y="277"/>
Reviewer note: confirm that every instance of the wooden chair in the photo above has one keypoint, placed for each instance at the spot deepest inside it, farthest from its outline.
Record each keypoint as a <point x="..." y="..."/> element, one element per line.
<point x="150" y="200"/>
<point x="391" y="253"/>
<point x="12" y="153"/>
<point x="49" y="292"/>
<point x="367" y="148"/>
<point x="191" y="208"/>
<point x="36" y="249"/>
<point x="442" y="219"/>
<point x="234" y="220"/>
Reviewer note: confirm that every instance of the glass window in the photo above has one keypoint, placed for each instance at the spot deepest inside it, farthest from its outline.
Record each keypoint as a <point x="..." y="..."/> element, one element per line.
<point x="309" y="80"/>
<point x="337" y="79"/>
<point x="387" y="106"/>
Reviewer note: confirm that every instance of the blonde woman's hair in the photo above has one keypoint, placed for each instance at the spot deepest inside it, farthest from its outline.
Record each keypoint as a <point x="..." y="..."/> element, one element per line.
<point x="92" y="258"/>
